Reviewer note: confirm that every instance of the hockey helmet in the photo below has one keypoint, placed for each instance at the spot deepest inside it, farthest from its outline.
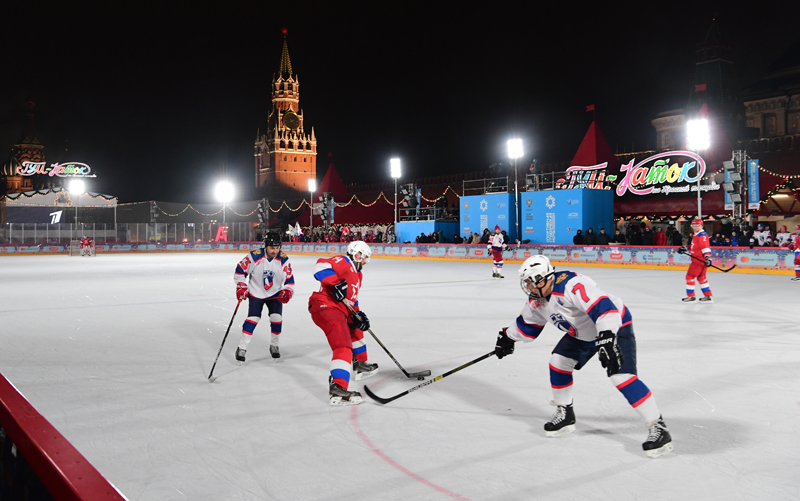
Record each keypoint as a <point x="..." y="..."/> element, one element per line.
<point x="536" y="270"/>
<point x="272" y="239"/>
<point x="797" y="228"/>
<point x="497" y="228"/>
<point x="697" y="222"/>
<point x="354" y="248"/>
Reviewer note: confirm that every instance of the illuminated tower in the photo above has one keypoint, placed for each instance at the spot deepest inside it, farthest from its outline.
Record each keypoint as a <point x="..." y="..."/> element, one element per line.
<point x="27" y="149"/>
<point x="286" y="155"/>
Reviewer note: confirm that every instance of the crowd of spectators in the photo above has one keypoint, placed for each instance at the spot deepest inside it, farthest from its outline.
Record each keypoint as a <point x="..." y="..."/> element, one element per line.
<point x="632" y="233"/>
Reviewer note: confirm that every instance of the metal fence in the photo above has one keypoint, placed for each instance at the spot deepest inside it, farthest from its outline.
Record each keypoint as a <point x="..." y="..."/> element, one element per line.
<point x="429" y="214"/>
<point x="488" y="185"/>
<point x="40" y="233"/>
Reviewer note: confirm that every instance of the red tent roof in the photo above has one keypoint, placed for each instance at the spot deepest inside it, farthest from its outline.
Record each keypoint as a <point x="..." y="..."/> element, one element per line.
<point x="594" y="150"/>
<point x="333" y="183"/>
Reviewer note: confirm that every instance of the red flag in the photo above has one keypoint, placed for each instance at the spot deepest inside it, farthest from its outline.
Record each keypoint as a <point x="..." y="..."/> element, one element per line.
<point x="590" y="107"/>
<point x="698" y="88"/>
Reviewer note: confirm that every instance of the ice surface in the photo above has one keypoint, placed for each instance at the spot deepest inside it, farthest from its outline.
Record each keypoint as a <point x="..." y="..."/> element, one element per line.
<point x="115" y="352"/>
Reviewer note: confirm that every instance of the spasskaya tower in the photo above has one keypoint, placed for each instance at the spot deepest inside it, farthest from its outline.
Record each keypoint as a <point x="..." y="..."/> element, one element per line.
<point x="286" y="156"/>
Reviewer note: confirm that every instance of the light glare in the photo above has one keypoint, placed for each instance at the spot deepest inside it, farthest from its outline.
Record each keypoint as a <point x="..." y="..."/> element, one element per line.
<point x="77" y="187"/>
<point x="697" y="135"/>
<point x="223" y="191"/>
<point x="395" y="163"/>
<point x="514" y="148"/>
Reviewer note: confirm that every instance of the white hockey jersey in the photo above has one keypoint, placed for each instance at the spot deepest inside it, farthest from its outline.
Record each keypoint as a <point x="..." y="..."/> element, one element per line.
<point x="783" y="239"/>
<point x="577" y="307"/>
<point x="265" y="277"/>
<point x="763" y="238"/>
<point x="497" y="243"/>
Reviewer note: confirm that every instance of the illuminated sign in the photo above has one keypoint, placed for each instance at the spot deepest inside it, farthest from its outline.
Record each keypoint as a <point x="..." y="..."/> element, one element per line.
<point x="659" y="174"/>
<point x="592" y="177"/>
<point x="67" y="169"/>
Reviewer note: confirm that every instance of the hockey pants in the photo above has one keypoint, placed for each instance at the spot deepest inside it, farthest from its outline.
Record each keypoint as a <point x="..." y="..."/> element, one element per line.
<point x="256" y="305"/>
<point x="697" y="270"/>
<point x="571" y="354"/>
<point x="344" y="342"/>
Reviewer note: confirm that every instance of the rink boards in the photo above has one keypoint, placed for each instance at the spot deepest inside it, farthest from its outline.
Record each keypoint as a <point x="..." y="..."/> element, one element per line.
<point x="757" y="260"/>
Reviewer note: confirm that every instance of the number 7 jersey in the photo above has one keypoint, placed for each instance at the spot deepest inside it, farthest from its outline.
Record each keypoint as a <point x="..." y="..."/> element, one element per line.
<point x="577" y="307"/>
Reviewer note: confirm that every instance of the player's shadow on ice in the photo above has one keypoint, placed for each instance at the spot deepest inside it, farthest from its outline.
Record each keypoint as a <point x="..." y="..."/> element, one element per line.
<point x="697" y="436"/>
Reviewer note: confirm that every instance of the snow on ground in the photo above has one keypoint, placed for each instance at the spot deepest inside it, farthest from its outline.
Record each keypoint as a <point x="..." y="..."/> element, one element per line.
<point x="115" y="352"/>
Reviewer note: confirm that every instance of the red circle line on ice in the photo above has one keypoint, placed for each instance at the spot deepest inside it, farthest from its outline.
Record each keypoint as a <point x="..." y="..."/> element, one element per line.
<point x="395" y="464"/>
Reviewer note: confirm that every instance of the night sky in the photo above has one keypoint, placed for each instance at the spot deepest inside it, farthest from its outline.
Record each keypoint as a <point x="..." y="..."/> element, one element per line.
<point x="162" y="98"/>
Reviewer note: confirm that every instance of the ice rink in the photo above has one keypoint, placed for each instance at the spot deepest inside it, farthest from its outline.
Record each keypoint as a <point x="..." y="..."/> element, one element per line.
<point x="115" y="352"/>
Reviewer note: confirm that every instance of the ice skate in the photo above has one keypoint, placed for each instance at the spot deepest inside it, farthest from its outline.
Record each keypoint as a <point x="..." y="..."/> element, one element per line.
<point x="659" y="441"/>
<point x="494" y="274"/>
<point x="500" y="276"/>
<point x="240" y="355"/>
<point x="795" y="279"/>
<point x="706" y="299"/>
<point x="274" y="351"/>
<point x="340" y="396"/>
<point x="363" y="370"/>
<point x="689" y="299"/>
<point x="562" y="422"/>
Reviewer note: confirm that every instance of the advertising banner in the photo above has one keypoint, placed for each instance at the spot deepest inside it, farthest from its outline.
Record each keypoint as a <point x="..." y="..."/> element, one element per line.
<point x="753" y="195"/>
<point x="487" y="211"/>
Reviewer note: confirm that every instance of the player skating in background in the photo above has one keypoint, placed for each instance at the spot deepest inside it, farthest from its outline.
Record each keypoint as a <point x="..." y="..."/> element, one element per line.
<point x="496" y="247"/>
<point x="264" y="277"/>
<point x="340" y="283"/>
<point x="593" y="322"/>
<point x="700" y="249"/>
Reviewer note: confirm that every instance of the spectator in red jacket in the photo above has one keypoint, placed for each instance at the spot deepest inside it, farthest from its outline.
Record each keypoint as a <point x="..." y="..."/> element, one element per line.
<point x="660" y="238"/>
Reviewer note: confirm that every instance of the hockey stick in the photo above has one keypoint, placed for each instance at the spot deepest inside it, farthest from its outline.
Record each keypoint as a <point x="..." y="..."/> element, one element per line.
<point x="210" y="379"/>
<point x="418" y="375"/>
<point x="387" y="400"/>
<point x="723" y="270"/>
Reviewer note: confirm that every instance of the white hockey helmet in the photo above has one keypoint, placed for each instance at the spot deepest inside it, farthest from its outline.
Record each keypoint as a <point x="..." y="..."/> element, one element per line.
<point x="354" y="248"/>
<point x="536" y="270"/>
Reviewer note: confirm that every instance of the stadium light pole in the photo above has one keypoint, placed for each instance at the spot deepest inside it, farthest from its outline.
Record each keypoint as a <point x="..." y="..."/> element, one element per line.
<point x="515" y="152"/>
<point x="77" y="188"/>
<point x="697" y="140"/>
<point x="223" y="192"/>
<point x="312" y="187"/>
<point x="395" y="165"/>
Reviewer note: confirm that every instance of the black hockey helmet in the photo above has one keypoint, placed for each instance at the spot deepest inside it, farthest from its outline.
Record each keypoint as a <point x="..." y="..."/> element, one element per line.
<point x="273" y="239"/>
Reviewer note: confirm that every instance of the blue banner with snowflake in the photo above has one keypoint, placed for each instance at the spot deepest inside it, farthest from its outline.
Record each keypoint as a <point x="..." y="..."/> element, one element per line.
<point x="487" y="211"/>
<point x="553" y="217"/>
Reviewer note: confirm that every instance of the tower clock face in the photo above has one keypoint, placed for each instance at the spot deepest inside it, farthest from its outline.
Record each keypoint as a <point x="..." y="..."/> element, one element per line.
<point x="291" y="120"/>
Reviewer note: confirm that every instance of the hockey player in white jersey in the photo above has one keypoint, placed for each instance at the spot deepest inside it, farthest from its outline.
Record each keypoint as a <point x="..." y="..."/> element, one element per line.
<point x="593" y="322"/>
<point x="496" y="247"/>
<point x="265" y="278"/>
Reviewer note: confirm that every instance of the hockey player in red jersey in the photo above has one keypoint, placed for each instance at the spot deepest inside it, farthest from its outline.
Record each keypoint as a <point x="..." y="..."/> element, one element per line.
<point x="265" y="278"/>
<point x="593" y="322"/>
<point x="700" y="251"/>
<point x="496" y="247"/>
<point x="340" y="283"/>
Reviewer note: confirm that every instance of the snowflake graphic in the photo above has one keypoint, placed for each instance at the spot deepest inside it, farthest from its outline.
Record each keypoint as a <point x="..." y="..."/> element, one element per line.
<point x="550" y="202"/>
<point x="484" y="205"/>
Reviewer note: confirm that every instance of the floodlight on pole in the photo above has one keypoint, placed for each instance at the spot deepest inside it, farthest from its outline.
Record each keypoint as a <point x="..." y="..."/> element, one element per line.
<point x="515" y="152"/>
<point x="698" y="139"/>
<point x="312" y="187"/>
<point x="223" y="192"/>
<point x="395" y="170"/>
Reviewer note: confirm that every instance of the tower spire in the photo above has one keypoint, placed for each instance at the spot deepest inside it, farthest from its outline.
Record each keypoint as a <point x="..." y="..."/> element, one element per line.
<point x="286" y="63"/>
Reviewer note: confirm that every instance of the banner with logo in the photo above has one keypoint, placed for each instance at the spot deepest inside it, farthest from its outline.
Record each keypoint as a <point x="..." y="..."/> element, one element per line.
<point x="487" y="211"/>
<point x="753" y="195"/>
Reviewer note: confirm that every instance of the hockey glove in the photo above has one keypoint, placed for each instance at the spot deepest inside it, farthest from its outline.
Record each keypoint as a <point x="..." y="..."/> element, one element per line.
<point x="683" y="250"/>
<point x="285" y="295"/>
<point x="608" y="350"/>
<point x="505" y="345"/>
<point x="339" y="291"/>
<point x="489" y="248"/>
<point x="362" y="323"/>
<point x="708" y="260"/>
<point x="241" y="291"/>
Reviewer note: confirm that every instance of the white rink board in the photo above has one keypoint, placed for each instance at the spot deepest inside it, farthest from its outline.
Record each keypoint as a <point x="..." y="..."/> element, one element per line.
<point x="115" y="352"/>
